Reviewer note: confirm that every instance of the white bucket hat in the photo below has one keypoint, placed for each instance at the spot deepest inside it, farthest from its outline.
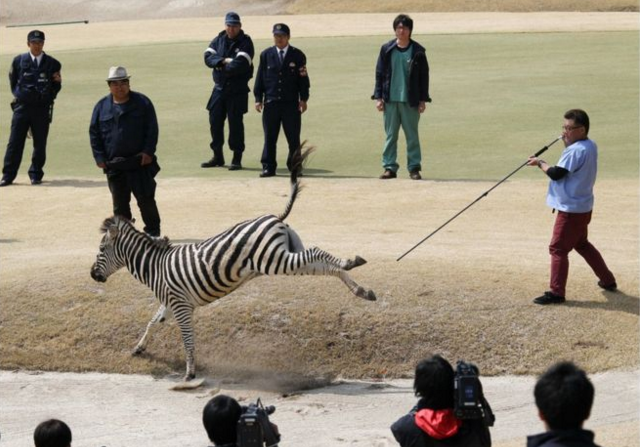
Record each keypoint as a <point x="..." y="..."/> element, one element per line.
<point x="117" y="74"/>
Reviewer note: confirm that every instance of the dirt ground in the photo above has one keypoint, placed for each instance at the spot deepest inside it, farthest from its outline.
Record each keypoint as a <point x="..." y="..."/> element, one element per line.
<point x="465" y="293"/>
<point x="124" y="411"/>
<point x="138" y="32"/>
<point x="474" y="279"/>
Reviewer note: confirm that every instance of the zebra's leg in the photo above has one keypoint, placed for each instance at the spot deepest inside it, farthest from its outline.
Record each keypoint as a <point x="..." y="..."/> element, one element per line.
<point x="183" y="313"/>
<point x="159" y="317"/>
<point x="315" y="261"/>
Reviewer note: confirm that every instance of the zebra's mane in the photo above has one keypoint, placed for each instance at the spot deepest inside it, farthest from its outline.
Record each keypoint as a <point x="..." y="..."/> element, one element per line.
<point x="121" y="222"/>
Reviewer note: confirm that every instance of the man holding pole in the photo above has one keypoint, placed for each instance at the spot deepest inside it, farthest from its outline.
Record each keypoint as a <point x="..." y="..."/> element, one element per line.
<point x="571" y="194"/>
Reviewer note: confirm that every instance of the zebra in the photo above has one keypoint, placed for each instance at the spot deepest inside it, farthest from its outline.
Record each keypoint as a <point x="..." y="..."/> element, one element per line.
<point x="184" y="276"/>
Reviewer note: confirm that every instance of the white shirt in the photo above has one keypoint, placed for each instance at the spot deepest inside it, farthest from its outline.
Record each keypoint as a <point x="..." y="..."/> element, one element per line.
<point x="37" y="58"/>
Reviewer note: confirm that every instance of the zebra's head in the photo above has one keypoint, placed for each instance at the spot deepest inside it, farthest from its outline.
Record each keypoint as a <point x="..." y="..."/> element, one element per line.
<point x="107" y="260"/>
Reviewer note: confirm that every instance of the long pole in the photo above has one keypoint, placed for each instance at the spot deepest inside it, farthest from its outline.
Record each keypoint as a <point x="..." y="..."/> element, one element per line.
<point x="485" y="194"/>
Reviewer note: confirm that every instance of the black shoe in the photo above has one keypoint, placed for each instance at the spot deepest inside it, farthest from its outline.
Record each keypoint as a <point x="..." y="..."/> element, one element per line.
<point x="213" y="163"/>
<point x="388" y="174"/>
<point x="5" y="182"/>
<point x="35" y="181"/>
<point x="267" y="173"/>
<point x="609" y="287"/>
<point x="235" y="167"/>
<point x="549" y="298"/>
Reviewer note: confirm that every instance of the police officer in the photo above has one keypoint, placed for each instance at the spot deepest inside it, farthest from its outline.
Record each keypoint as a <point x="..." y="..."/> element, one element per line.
<point x="124" y="134"/>
<point x="230" y="55"/>
<point x="281" y="91"/>
<point x="35" y="82"/>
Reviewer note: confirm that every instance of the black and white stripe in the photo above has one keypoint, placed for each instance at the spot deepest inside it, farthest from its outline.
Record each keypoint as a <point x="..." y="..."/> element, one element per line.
<point x="190" y="275"/>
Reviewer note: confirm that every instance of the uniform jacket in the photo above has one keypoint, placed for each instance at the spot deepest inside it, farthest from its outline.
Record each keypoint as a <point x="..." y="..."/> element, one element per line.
<point x="563" y="438"/>
<point x="418" y="74"/>
<point x="125" y="135"/>
<point x="424" y="427"/>
<point x="288" y="81"/>
<point x="232" y="78"/>
<point x="34" y="86"/>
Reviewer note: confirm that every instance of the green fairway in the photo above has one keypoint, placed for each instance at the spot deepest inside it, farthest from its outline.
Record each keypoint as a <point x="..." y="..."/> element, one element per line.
<point x="496" y="99"/>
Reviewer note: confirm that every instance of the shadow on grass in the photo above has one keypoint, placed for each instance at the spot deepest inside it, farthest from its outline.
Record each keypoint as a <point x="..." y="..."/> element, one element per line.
<point x="616" y="301"/>
<point x="76" y="183"/>
<point x="9" y="241"/>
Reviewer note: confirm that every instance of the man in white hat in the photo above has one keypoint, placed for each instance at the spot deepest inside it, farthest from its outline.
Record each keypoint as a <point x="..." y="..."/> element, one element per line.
<point x="124" y="135"/>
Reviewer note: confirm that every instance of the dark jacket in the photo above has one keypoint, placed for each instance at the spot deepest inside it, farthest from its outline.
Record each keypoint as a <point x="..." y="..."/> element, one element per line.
<point x="232" y="78"/>
<point x="125" y="135"/>
<point x="418" y="74"/>
<point x="34" y="86"/>
<point x="563" y="438"/>
<point x="424" y="427"/>
<point x="282" y="82"/>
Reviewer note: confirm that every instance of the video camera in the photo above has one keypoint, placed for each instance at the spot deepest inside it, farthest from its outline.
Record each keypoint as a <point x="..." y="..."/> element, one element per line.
<point x="469" y="401"/>
<point x="254" y="428"/>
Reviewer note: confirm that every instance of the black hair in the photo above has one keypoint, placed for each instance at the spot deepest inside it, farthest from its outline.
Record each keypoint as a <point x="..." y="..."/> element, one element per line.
<point x="434" y="383"/>
<point x="404" y="20"/>
<point x="220" y="418"/>
<point x="52" y="433"/>
<point x="579" y="117"/>
<point x="564" y="396"/>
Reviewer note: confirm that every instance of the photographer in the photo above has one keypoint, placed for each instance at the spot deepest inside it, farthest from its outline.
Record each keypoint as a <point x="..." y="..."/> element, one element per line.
<point x="432" y="422"/>
<point x="230" y="425"/>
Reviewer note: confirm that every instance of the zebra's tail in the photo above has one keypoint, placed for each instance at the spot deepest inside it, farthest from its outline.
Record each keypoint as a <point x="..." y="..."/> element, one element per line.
<point x="298" y="163"/>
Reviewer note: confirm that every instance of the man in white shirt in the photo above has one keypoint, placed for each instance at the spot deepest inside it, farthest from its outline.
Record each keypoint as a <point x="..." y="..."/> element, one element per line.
<point x="571" y="194"/>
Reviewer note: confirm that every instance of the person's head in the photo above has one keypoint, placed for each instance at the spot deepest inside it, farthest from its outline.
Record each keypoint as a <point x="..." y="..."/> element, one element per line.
<point x="576" y="126"/>
<point x="220" y="418"/>
<point x="118" y="81"/>
<point x="232" y="25"/>
<point x="52" y="433"/>
<point x="434" y="383"/>
<point x="564" y="395"/>
<point x="281" y="35"/>
<point x="35" y="42"/>
<point x="403" y="26"/>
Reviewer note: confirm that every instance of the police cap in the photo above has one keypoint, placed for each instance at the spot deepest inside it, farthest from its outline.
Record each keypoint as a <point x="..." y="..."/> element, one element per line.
<point x="35" y="35"/>
<point x="281" y="28"/>
<point x="232" y="18"/>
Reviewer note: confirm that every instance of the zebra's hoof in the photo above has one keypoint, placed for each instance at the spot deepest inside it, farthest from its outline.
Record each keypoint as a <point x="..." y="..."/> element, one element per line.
<point x="357" y="262"/>
<point x="365" y="294"/>
<point x="189" y="377"/>
<point x="138" y="351"/>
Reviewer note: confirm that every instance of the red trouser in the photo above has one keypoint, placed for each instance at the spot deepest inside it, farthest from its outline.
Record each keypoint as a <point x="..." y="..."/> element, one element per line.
<point x="569" y="232"/>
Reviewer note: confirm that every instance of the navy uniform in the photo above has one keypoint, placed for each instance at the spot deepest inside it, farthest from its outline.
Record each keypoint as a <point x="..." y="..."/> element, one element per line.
<point x="35" y="83"/>
<point x="122" y="136"/>
<point x="231" y="59"/>
<point x="281" y="91"/>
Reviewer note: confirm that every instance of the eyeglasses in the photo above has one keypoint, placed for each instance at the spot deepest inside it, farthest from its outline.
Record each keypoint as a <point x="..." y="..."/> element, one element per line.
<point x="570" y="128"/>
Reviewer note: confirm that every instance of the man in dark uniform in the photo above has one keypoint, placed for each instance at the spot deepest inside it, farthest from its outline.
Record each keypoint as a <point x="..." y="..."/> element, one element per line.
<point x="124" y="135"/>
<point x="230" y="56"/>
<point x="282" y="92"/>
<point x="35" y="82"/>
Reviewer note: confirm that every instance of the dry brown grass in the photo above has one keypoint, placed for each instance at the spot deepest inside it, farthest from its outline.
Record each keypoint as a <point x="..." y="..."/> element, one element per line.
<point x="360" y="6"/>
<point x="466" y="293"/>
